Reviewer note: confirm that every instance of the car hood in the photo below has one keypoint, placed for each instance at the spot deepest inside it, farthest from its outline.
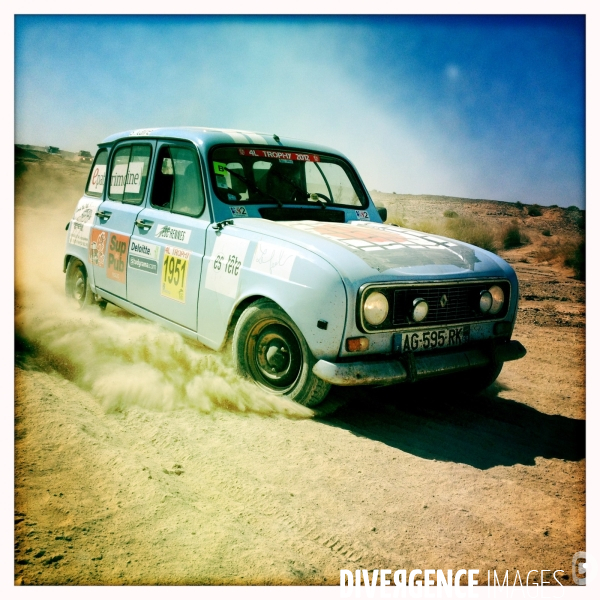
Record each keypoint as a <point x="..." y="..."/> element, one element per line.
<point x="375" y="251"/>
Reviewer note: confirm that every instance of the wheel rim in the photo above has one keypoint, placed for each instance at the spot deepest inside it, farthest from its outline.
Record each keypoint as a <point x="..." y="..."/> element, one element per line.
<point x="274" y="355"/>
<point x="79" y="287"/>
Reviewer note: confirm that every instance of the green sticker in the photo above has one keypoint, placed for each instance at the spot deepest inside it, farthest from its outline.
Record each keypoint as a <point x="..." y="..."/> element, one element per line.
<point x="220" y="168"/>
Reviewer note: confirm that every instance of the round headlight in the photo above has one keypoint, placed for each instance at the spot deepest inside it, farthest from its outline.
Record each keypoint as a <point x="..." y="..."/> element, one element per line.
<point x="485" y="301"/>
<point x="420" y="309"/>
<point x="497" y="299"/>
<point x="376" y="308"/>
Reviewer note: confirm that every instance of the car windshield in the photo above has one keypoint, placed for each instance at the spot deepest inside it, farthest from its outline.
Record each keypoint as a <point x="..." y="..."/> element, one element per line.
<point x="266" y="175"/>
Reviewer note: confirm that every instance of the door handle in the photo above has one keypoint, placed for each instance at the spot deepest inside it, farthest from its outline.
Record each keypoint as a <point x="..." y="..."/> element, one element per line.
<point x="143" y="224"/>
<point x="103" y="214"/>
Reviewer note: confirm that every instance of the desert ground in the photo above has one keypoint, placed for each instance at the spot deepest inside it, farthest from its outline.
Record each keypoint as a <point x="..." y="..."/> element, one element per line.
<point x="140" y="458"/>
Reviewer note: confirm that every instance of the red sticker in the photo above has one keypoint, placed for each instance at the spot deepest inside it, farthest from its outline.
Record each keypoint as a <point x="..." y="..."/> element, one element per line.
<point x="367" y="234"/>
<point x="279" y="154"/>
<point x="117" y="257"/>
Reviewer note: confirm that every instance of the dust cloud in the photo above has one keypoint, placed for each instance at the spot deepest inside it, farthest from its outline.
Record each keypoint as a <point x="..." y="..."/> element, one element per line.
<point x="122" y="360"/>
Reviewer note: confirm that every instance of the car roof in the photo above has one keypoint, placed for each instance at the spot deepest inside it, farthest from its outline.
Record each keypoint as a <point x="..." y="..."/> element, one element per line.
<point x="210" y="136"/>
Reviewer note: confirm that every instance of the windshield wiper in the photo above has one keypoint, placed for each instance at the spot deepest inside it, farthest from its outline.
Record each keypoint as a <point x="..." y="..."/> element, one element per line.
<point x="252" y="186"/>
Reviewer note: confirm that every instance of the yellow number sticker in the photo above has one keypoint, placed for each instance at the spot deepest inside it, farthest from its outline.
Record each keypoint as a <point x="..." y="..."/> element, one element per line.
<point x="174" y="273"/>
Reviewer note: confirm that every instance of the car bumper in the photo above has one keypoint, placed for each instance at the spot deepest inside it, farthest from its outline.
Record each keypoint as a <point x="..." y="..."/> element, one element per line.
<point x="414" y="367"/>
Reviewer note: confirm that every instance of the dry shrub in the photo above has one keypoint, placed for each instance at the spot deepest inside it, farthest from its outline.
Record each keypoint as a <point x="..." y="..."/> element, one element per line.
<point x="570" y="254"/>
<point x="450" y="214"/>
<point x="471" y="232"/>
<point x="429" y="227"/>
<point x="396" y="221"/>
<point x="547" y="233"/>
<point x="462" y="229"/>
<point x="511" y="236"/>
<point x="534" y="211"/>
<point x="576" y="260"/>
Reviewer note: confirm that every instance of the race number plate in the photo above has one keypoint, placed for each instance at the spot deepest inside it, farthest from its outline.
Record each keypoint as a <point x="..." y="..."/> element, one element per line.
<point x="174" y="273"/>
<point x="431" y="339"/>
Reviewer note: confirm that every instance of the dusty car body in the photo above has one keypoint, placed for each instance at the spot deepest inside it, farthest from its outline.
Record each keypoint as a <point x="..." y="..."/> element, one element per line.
<point x="275" y="245"/>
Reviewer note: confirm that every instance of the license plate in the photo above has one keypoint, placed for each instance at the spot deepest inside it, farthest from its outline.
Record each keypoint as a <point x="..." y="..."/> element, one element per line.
<point x="431" y="339"/>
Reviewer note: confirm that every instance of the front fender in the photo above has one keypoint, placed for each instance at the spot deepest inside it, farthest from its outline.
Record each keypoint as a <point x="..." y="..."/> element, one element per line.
<point x="302" y="283"/>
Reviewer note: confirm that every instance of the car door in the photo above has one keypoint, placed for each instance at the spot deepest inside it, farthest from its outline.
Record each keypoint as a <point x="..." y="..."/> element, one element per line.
<point x="115" y="217"/>
<point x="167" y="245"/>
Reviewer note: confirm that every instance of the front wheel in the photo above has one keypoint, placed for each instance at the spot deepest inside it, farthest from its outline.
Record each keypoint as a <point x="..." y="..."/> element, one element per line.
<point x="472" y="382"/>
<point x="77" y="285"/>
<point x="271" y="350"/>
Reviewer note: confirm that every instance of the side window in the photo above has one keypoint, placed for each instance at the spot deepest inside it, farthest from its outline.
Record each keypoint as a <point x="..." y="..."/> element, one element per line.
<point x="95" y="185"/>
<point x="129" y="173"/>
<point x="177" y="183"/>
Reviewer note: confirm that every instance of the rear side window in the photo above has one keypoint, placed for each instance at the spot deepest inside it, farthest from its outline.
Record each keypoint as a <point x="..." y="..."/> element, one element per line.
<point x="177" y="183"/>
<point x="129" y="173"/>
<point x="95" y="185"/>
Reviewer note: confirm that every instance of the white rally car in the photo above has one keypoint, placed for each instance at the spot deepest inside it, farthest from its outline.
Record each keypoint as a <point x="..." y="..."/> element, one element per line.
<point x="276" y="245"/>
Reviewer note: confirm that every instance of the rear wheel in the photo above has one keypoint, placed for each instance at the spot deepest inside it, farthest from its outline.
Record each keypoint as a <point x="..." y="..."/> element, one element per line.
<point x="77" y="285"/>
<point x="269" y="348"/>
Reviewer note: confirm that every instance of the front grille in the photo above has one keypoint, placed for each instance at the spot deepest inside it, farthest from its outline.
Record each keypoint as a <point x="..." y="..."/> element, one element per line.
<point x="450" y="303"/>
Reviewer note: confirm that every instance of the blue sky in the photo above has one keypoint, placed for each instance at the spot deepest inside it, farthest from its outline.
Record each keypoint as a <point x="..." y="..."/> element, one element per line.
<point x="478" y="107"/>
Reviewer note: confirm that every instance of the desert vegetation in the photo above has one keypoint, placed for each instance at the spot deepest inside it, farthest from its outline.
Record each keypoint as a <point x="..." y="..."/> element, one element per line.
<point x="519" y="232"/>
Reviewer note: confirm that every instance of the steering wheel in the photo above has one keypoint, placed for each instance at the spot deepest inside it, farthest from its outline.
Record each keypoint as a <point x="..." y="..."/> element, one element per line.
<point x="323" y="196"/>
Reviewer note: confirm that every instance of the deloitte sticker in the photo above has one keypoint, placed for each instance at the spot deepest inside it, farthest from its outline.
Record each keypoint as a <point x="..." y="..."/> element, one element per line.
<point x="144" y="256"/>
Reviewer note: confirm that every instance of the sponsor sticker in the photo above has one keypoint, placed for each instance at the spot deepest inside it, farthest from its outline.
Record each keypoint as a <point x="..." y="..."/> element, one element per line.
<point x="238" y="211"/>
<point x="97" y="179"/>
<point x="85" y="211"/>
<point x="166" y="232"/>
<point x="79" y="234"/>
<point x="97" y="250"/>
<point x="175" y="269"/>
<point x="80" y="227"/>
<point x="117" y="179"/>
<point x="134" y="177"/>
<point x="225" y="267"/>
<point x="126" y="180"/>
<point x="144" y="256"/>
<point x="363" y="215"/>
<point x="140" y="132"/>
<point x="273" y="260"/>
<point x="278" y="154"/>
<point x="117" y="255"/>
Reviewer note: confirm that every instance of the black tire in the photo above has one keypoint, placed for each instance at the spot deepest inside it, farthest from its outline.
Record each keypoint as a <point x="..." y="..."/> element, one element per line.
<point x="479" y="380"/>
<point x="268" y="348"/>
<point x="77" y="285"/>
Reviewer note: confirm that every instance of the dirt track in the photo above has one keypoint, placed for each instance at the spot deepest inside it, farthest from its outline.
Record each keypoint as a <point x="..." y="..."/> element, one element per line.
<point x="218" y="485"/>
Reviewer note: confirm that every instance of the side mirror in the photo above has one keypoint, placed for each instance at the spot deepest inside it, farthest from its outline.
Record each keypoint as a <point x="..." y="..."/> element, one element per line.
<point x="382" y="210"/>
